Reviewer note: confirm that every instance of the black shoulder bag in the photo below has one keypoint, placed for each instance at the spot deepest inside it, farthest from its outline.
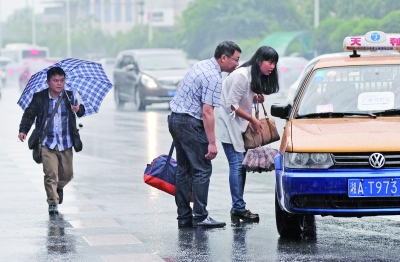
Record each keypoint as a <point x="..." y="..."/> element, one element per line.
<point x="37" y="151"/>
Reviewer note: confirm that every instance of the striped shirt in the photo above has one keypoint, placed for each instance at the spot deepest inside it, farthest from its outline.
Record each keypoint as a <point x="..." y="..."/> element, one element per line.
<point x="58" y="133"/>
<point x="202" y="84"/>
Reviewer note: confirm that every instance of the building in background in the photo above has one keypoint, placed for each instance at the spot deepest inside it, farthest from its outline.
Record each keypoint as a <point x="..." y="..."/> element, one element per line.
<point x="119" y="15"/>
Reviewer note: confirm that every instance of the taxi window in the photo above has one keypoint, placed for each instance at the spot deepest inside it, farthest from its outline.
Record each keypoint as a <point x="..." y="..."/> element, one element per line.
<point x="351" y="89"/>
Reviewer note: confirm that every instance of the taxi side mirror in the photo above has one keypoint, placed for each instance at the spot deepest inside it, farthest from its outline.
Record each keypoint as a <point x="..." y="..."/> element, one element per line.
<point x="281" y="111"/>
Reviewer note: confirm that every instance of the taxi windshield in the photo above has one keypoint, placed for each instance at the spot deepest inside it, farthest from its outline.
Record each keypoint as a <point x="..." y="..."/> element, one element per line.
<point x="351" y="90"/>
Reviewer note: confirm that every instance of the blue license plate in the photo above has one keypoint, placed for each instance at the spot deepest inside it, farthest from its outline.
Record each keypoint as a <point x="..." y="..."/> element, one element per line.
<point x="171" y="92"/>
<point x="374" y="187"/>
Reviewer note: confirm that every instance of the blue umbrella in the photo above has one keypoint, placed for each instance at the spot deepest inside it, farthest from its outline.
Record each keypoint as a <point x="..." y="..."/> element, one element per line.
<point x="86" y="78"/>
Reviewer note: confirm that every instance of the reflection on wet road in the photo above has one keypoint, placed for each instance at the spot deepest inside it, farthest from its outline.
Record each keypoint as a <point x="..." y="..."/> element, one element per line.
<point x="58" y="241"/>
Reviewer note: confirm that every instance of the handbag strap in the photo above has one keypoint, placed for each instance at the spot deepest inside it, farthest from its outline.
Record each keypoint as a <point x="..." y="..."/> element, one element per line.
<point x="51" y="117"/>
<point x="171" y="150"/>
<point x="265" y="111"/>
<point x="257" y="112"/>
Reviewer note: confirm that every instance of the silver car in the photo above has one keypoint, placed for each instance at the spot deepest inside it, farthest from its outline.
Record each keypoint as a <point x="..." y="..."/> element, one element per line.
<point x="147" y="76"/>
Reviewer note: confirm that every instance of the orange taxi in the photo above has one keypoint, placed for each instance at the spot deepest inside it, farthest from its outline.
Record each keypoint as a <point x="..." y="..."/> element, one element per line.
<point x="340" y="150"/>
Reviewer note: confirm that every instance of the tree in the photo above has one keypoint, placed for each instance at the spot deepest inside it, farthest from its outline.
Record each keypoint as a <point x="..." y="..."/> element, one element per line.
<point x="321" y="35"/>
<point x="206" y="23"/>
<point x="390" y="23"/>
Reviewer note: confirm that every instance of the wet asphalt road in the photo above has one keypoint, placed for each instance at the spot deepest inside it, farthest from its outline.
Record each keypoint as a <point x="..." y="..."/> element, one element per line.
<point x="109" y="214"/>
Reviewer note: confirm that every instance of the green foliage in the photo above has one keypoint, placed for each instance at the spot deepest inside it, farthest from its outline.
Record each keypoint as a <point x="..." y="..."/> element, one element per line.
<point x="249" y="47"/>
<point x="340" y="33"/>
<point x="206" y="23"/>
<point x="391" y="22"/>
<point x="322" y="33"/>
<point x="366" y="25"/>
<point x="17" y="29"/>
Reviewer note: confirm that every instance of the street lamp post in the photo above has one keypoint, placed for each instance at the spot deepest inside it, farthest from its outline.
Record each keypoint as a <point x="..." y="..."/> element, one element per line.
<point x="316" y="19"/>
<point x="68" y="28"/>
<point x="33" y="24"/>
<point x="316" y="13"/>
<point x="1" y="33"/>
<point x="141" y="13"/>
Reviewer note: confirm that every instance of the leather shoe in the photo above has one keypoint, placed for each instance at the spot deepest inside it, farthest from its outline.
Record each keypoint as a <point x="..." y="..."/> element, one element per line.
<point x="60" y="193"/>
<point x="185" y="223"/>
<point x="209" y="223"/>
<point x="245" y="215"/>
<point x="53" y="210"/>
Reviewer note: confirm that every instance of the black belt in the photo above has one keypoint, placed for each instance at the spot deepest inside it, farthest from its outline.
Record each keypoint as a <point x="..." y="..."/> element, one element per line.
<point x="181" y="114"/>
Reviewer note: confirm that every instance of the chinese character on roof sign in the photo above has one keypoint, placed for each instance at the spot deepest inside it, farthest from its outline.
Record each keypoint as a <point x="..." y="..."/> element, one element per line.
<point x="395" y="41"/>
<point x="355" y="41"/>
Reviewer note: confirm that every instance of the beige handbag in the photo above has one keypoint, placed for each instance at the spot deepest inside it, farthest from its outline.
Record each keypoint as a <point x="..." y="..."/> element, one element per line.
<point x="267" y="135"/>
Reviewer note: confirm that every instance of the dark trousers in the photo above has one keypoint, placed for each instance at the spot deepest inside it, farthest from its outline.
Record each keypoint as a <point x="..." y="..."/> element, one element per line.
<point x="194" y="170"/>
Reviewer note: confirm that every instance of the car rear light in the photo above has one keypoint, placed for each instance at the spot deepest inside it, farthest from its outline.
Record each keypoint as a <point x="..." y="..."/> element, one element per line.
<point x="34" y="52"/>
<point x="9" y="71"/>
<point x="284" y="69"/>
<point x="20" y="69"/>
<point x="299" y="67"/>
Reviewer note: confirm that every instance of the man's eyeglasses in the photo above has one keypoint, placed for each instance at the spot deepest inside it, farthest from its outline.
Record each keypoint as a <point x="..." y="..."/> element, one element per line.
<point x="236" y="60"/>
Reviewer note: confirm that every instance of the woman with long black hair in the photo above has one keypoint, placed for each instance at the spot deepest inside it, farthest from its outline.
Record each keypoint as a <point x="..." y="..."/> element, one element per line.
<point x="244" y="87"/>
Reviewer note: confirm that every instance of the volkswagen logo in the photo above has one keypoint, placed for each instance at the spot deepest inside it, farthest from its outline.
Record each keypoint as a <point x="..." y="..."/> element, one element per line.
<point x="376" y="160"/>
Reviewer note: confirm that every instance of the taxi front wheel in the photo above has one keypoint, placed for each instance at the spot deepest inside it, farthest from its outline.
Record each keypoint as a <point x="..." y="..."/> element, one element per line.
<point x="293" y="225"/>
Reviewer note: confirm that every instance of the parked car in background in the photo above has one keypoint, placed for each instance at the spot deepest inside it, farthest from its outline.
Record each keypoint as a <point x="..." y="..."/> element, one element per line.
<point x="340" y="149"/>
<point x="29" y="68"/>
<point x="147" y="76"/>
<point x="4" y="61"/>
<point x="289" y="69"/>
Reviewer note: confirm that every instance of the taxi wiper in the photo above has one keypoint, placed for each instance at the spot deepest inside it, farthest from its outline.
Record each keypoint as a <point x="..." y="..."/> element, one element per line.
<point x="389" y="112"/>
<point x="334" y="115"/>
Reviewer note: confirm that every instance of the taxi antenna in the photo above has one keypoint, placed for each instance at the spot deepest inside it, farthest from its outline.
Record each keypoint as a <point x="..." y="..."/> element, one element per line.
<point x="355" y="54"/>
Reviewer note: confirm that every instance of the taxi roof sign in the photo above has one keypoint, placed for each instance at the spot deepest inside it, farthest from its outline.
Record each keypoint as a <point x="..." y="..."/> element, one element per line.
<point x="373" y="40"/>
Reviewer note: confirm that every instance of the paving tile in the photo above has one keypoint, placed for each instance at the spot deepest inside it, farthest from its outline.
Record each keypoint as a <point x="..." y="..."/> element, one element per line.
<point x="107" y="222"/>
<point x="140" y="257"/>
<point x="67" y="189"/>
<point x="111" y="239"/>
<point x="82" y="209"/>
<point x="75" y="197"/>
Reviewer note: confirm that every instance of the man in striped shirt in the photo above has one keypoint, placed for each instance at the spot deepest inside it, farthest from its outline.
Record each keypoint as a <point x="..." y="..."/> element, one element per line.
<point x="191" y="125"/>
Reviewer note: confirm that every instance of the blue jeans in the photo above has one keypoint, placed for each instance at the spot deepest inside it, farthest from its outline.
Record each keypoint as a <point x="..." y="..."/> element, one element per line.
<point x="193" y="170"/>
<point x="237" y="176"/>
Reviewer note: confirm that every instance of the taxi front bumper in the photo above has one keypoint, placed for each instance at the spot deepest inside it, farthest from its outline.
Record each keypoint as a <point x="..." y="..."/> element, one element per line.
<point x="325" y="192"/>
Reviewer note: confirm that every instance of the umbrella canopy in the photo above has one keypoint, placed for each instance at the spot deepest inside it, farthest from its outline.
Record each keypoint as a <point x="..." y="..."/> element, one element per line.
<point x="86" y="78"/>
<point x="260" y="159"/>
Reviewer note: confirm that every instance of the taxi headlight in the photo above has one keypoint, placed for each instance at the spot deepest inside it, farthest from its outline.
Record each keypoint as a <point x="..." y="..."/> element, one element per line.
<point x="148" y="82"/>
<point x="308" y="160"/>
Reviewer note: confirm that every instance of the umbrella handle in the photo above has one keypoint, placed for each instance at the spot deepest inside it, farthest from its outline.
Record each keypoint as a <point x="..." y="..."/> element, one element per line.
<point x="80" y="125"/>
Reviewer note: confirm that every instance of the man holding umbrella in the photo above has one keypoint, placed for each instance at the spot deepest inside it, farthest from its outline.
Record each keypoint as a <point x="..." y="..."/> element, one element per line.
<point x="58" y="133"/>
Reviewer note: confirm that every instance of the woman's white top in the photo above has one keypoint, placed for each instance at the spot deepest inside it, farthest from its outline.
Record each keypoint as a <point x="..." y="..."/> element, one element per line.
<point x="236" y="92"/>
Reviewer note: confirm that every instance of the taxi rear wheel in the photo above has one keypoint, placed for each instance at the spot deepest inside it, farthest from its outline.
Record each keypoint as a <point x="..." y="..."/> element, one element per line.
<point x="293" y="225"/>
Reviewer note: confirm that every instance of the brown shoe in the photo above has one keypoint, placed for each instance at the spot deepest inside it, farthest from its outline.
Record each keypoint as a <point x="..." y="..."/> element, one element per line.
<point x="245" y="215"/>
